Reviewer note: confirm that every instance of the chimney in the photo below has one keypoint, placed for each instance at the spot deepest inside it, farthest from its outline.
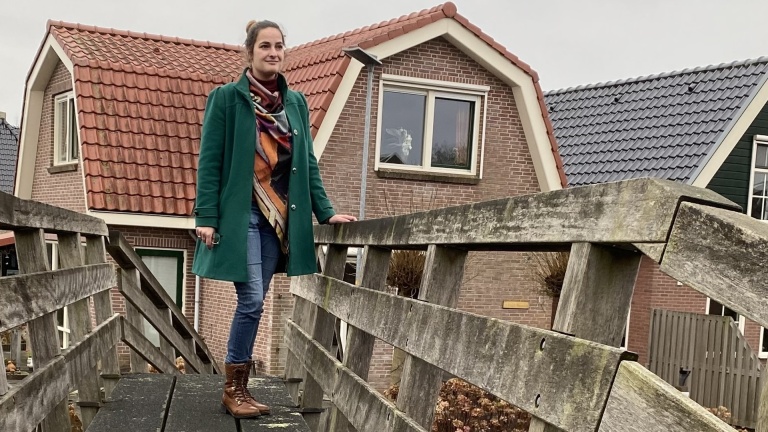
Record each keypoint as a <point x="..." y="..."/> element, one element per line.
<point x="2" y="115"/>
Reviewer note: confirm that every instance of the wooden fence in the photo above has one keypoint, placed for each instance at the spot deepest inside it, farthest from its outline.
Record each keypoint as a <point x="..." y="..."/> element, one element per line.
<point x="724" y="371"/>
<point x="572" y="379"/>
<point x="83" y="284"/>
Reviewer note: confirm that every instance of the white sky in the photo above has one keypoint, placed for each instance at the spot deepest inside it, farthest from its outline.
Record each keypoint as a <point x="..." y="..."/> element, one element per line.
<point x="568" y="42"/>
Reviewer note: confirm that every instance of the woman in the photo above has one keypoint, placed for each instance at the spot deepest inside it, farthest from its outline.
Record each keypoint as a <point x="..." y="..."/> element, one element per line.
<point x="257" y="186"/>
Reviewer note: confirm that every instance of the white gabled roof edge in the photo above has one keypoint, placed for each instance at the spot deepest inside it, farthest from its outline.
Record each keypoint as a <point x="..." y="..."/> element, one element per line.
<point x="522" y="84"/>
<point x="50" y="54"/>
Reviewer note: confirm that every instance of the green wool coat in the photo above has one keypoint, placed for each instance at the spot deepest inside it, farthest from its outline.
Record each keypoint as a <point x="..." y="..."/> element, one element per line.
<point x="225" y="183"/>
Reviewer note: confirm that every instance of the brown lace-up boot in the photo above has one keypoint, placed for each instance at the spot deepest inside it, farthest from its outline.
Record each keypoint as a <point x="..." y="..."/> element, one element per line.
<point x="263" y="409"/>
<point x="234" y="399"/>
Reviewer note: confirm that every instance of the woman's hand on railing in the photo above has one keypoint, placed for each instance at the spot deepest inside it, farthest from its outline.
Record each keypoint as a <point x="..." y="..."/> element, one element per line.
<point x="341" y="219"/>
<point x="206" y="234"/>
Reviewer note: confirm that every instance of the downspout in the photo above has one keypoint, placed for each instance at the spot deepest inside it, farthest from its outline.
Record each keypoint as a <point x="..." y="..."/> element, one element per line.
<point x="197" y="303"/>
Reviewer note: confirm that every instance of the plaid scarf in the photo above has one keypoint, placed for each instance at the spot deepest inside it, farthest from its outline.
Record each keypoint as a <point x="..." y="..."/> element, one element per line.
<point x="272" y="165"/>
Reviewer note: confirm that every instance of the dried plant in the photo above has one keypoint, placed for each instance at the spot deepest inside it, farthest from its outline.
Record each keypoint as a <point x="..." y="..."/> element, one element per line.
<point x="724" y="414"/>
<point x="406" y="268"/>
<point x="548" y="271"/>
<point x="462" y="407"/>
<point x="74" y="420"/>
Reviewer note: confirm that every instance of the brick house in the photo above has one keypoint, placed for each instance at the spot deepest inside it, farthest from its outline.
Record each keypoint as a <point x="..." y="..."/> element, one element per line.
<point x="706" y="127"/>
<point x="112" y="126"/>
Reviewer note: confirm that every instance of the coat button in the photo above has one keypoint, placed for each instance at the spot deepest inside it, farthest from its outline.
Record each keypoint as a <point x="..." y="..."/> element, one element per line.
<point x="295" y="132"/>
<point x="293" y="206"/>
<point x="294" y="170"/>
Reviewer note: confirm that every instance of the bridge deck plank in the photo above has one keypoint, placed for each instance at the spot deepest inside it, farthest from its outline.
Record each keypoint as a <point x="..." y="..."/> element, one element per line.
<point x="142" y="401"/>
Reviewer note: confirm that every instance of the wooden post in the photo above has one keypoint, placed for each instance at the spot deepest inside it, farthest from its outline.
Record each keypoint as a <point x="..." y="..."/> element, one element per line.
<point x="131" y="276"/>
<point x="374" y="269"/>
<point x="16" y="346"/>
<point x="595" y="299"/>
<point x="3" y="379"/>
<point x="95" y="253"/>
<point x="165" y="347"/>
<point x="322" y="329"/>
<point x="89" y="394"/>
<point x="762" y="412"/>
<point x="43" y="335"/>
<point x="440" y="284"/>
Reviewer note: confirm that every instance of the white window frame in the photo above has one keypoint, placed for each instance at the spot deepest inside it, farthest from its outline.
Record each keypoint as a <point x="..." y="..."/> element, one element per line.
<point x="432" y="89"/>
<point x="626" y="331"/>
<point x="756" y="140"/>
<point x="762" y="354"/>
<point x="741" y="322"/>
<point x="67" y="147"/>
<point x="64" y="329"/>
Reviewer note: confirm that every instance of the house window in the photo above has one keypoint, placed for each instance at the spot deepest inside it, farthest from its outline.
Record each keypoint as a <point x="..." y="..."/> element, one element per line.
<point x="167" y="265"/>
<point x="764" y="342"/>
<point x="65" y="129"/>
<point x="429" y="126"/>
<point x="715" y="308"/>
<point x="62" y="315"/>
<point x="758" y="194"/>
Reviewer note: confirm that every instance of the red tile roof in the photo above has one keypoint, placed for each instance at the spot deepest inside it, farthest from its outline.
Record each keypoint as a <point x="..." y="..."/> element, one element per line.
<point x="141" y="97"/>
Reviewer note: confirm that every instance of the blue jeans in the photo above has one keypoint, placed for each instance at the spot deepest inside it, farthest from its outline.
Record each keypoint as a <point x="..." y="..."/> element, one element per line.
<point x="263" y="254"/>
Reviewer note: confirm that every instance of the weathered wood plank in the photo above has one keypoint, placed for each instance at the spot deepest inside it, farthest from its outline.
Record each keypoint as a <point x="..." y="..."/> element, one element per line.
<point x="519" y="362"/>
<point x="440" y="284"/>
<point x="150" y="353"/>
<point x="134" y="297"/>
<point x="43" y="335"/>
<point x="165" y="347"/>
<point x="595" y="298"/>
<point x="139" y="403"/>
<point x="46" y="292"/>
<point x="127" y="258"/>
<point x="130" y="277"/>
<point x="762" y="412"/>
<point x="365" y="408"/>
<point x="271" y="391"/>
<point x="22" y="408"/>
<point x="95" y="253"/>
<point x="3" y="379"/>
<point x="373" y="274"/>
<point x="632" y="211"/>
<point x="597" y="292"/>
<point x="20" y="213"/>
<point x="642" y="402"/>
<point x="196" y="406"/>
<point x="653" y="251"/>
<point x="322" y="330"/>
<point x="721" y="254"/>
<point x="88" y="391"/>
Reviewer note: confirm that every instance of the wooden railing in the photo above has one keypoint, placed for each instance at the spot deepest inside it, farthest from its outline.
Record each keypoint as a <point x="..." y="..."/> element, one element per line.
<point x="724" y="371"/>
<point x="82" y="284"/>
<point x="574" y="378"/>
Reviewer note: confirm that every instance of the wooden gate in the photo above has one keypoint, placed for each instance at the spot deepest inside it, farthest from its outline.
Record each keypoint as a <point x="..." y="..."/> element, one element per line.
<point x="724" y="371"/>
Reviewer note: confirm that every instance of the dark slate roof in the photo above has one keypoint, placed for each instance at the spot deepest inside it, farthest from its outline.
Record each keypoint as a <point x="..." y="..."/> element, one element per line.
<point x="662" y="126"/>
<point x="9" y="145"/>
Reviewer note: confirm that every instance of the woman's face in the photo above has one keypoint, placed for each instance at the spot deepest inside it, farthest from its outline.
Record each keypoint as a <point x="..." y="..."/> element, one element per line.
<point x="268" y="54"/>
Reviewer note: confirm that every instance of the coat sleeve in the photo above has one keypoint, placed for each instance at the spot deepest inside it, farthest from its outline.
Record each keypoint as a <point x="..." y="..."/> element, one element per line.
<point x="321" y="205"/>
<point x="210" y="161"/>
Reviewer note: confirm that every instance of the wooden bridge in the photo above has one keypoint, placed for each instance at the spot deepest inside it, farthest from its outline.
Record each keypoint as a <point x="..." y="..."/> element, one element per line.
<point x="572" y="379"/>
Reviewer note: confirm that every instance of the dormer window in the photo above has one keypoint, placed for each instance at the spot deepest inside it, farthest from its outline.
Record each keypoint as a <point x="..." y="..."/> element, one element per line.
<point x="65" y="141"/>
<point x="429" y="126"/>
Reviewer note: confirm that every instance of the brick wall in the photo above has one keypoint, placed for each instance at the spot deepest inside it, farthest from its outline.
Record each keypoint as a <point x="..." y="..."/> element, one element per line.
<point x="508" y="171"/>
<point x="64" y="189"/>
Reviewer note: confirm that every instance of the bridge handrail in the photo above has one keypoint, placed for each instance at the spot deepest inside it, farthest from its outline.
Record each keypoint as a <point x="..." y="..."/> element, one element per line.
<point x="607" y="228"/>
<point x="83" y="284"/>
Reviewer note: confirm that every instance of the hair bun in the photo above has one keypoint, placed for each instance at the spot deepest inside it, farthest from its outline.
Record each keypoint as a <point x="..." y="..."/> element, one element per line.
<point x="250" y="24"/>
